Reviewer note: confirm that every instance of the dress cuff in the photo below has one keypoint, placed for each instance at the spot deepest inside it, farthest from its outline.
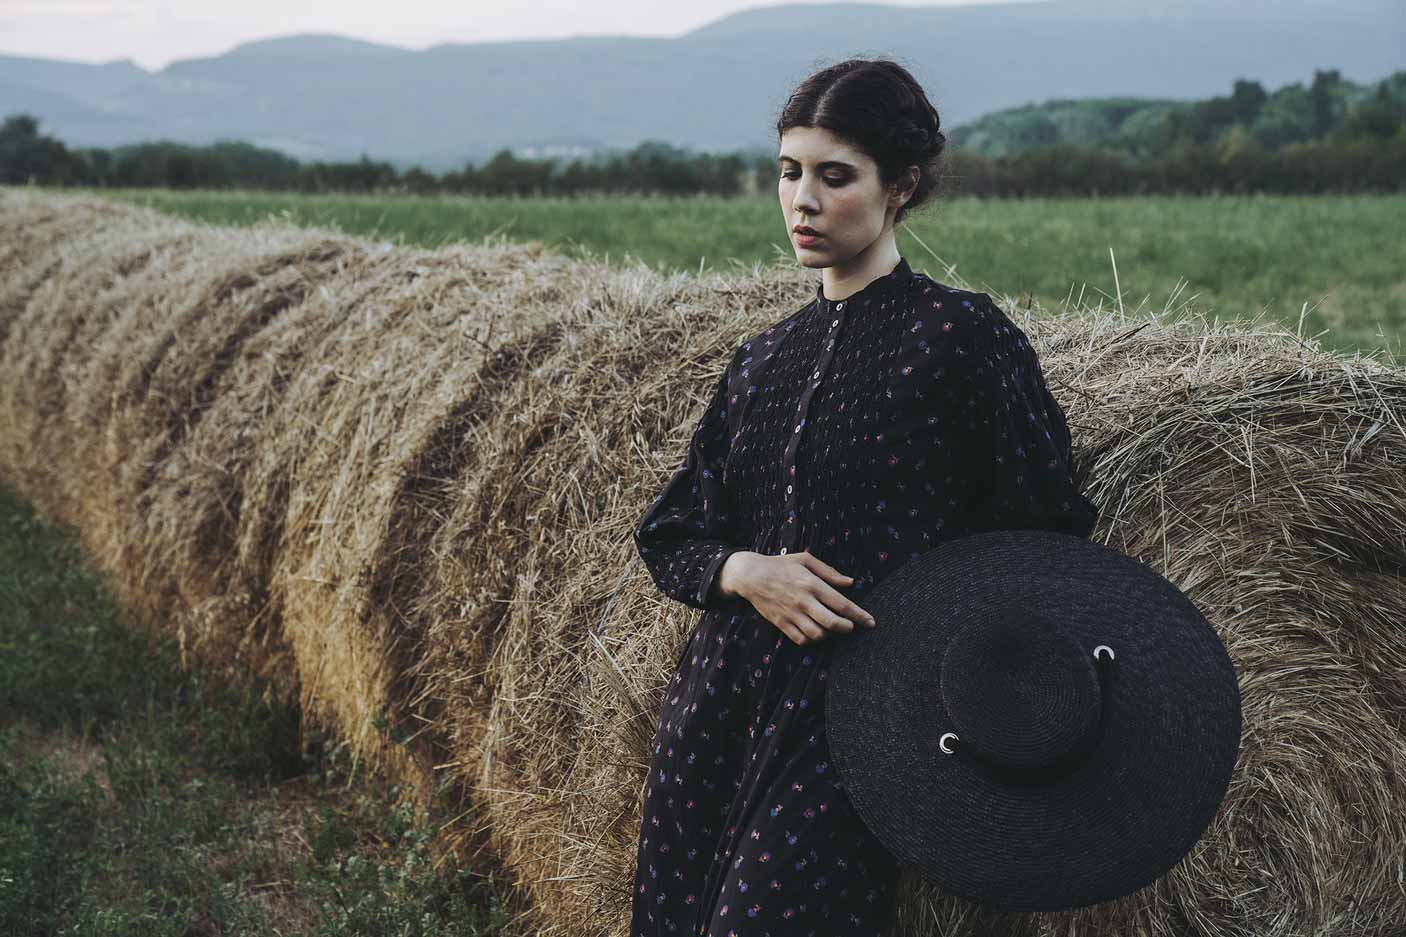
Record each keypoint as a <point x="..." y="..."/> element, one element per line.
<point x="708" y="597"/>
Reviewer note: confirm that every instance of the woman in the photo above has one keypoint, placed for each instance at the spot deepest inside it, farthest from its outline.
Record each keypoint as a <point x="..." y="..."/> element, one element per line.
<point x="888" y="414"/>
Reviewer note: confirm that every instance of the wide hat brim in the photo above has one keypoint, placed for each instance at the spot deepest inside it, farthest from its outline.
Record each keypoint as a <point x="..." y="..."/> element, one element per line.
<point x="1122" y="818"/>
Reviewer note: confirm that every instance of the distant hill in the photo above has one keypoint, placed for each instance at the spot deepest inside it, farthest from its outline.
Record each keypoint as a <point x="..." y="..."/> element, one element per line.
<point x="1145" y="127"/>
<point x="718" y="87"/>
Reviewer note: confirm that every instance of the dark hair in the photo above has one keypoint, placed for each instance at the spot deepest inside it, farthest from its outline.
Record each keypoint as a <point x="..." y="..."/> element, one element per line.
<point x="877" y="106"/>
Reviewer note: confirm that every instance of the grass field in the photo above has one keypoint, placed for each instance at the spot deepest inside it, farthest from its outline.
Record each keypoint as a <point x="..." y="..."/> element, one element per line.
<point x="137" y="800"/>
<point x="1342" y="259"/>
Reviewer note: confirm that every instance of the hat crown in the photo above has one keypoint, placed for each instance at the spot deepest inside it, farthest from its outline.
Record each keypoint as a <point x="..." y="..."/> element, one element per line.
<point x="1022" y="693"/>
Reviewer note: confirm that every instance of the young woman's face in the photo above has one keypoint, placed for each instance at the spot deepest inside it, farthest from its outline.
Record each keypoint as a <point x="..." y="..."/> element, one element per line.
<point x="828" y="185"/>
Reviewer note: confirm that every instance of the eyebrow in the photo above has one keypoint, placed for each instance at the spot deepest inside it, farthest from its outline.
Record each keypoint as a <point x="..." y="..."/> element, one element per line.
<point x="829" y="163"/>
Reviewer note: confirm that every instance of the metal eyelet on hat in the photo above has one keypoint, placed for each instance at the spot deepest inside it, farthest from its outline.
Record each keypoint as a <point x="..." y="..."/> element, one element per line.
<point x="1076" y="780"/>
<point x="942" y="742"/>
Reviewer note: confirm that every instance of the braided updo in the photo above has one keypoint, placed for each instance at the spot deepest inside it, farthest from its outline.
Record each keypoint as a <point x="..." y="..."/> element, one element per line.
<point x="878" y="107"/>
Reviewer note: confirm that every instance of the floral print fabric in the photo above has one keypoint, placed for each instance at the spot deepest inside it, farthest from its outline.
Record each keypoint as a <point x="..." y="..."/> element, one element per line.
<point x="865" y="430"/>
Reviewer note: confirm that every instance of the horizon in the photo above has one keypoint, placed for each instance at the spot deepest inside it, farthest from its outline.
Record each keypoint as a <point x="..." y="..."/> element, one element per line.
<point x="152" y="34"/>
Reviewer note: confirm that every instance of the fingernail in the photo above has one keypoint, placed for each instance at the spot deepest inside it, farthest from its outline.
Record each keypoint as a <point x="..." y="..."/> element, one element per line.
<point x="872" y="623"/>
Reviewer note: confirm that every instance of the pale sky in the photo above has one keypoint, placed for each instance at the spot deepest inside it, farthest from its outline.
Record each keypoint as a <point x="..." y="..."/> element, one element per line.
<point x="154" y="32"/>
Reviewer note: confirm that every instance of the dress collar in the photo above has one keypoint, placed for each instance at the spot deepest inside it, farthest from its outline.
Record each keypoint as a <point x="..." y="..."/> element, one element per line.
<point x="875" y="288"/>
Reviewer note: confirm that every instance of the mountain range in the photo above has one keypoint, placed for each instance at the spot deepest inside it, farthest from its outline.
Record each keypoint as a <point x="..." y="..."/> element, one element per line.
<point x="717" y="87"/>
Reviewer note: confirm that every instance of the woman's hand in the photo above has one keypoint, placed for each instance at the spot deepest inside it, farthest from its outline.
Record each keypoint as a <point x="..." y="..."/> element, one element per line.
<point x="795" y="592"/>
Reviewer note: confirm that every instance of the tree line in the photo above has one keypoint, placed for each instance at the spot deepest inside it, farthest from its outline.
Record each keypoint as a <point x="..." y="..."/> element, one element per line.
<point x="1333" y="136"/>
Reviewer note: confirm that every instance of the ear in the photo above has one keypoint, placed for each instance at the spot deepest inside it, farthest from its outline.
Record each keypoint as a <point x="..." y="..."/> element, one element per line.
<point x="904" y="186"/>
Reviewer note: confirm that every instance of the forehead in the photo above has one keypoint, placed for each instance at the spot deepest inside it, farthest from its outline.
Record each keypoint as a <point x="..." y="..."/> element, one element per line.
<point x="808" y="145"/>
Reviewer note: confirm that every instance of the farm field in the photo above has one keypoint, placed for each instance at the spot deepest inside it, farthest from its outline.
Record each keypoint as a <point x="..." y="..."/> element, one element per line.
<point x="1337" y="261"/>
<point x="137" y="798"/>
<point x="336" y="499"/>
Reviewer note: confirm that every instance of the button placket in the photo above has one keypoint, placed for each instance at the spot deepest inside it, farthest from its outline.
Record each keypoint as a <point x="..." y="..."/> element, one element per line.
<point x="789" y="527"/>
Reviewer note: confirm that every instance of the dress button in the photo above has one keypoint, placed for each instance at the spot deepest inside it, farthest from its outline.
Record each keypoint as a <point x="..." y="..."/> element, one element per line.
<point x="835" y="323"/>
<point x="783" y="549"/>
<point x="840" y="306"/>
<point x="788" y="489"/>
<point x="798" y="428"/>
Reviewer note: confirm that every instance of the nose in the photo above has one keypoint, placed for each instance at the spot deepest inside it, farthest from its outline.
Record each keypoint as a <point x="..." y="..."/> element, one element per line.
<point x="803" y="198"/>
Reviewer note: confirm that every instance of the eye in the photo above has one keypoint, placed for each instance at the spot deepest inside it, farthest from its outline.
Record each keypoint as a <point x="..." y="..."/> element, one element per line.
<point x="832" y="181"/>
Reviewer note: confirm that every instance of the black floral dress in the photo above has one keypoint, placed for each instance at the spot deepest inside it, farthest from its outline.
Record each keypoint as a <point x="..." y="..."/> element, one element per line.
<point x="866" y="431"/>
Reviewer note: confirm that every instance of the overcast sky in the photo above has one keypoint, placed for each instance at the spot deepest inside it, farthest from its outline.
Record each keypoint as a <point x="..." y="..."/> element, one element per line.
<point x="154" y="32"/>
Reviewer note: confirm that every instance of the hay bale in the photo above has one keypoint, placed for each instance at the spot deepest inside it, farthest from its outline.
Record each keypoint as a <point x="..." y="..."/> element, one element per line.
<point x="401" y="483"/>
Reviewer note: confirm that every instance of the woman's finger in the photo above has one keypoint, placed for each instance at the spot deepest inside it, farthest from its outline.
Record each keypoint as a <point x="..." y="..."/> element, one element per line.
<point x="827" y="617"/>
<point x="825" y="571"/>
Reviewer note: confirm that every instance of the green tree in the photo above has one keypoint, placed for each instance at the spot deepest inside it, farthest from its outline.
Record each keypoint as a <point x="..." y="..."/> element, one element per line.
<point x="1327" y="102"/>
<point x="420" y="182"/>
<point x="1376" y="117"/>
<point x="506" y="174"/>
<point x="26" y="156"/>
<point x="1246" y="100"/>
<point x="1287" y="117"/>
<point x="1240" y="159"/>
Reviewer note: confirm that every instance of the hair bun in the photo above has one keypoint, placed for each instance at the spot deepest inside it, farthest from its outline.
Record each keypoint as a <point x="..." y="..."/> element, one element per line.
<point x="914" y="137"/>
<point x="877" y="106"/>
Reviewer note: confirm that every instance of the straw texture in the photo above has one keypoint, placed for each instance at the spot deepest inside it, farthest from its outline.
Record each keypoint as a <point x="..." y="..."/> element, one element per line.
<point x="401" y="483"/>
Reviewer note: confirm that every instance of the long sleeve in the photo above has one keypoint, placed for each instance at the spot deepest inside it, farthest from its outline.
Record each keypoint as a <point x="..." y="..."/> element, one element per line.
<point x="684" y="536"/>
<point x="1020" y="453"/>
<point x="973" y="440"/>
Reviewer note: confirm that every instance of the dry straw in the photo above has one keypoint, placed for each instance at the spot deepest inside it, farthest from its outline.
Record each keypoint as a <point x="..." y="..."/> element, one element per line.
<point x="401" y="483"/>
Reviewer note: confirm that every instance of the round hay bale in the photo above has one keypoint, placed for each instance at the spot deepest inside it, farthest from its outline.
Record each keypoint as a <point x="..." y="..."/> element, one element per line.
<point x="402" y="483"/>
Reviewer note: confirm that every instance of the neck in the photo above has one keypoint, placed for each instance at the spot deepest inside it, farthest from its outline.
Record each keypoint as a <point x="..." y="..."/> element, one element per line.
<point x="845" y="279"/>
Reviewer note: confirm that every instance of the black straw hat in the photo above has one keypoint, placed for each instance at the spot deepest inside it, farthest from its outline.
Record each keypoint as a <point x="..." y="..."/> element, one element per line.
<point x="1038" y="722"/>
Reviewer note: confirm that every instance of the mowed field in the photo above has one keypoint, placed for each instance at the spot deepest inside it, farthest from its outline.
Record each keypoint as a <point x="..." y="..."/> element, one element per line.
<point x="1338" y="263"/>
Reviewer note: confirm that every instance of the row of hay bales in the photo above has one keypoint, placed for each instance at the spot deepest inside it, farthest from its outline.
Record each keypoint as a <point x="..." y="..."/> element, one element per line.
<point x="401" y="483"/>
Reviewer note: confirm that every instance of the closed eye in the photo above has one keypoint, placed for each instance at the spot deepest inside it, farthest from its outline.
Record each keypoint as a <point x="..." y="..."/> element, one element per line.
<point x="832" y="181"/>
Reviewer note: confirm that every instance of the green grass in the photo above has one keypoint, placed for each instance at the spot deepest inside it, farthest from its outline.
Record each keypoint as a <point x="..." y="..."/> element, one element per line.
<point x="1340" y="257"/>
<point x="138" y="799"/>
